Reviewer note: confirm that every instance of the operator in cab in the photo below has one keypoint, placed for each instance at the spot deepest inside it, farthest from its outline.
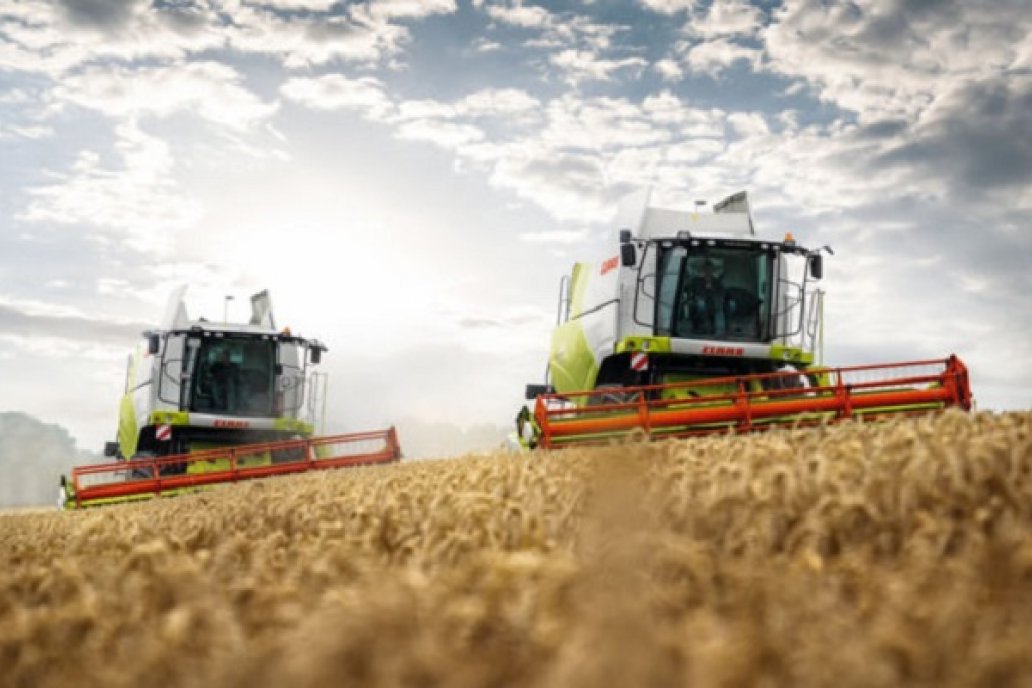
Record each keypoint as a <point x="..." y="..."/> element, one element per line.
<point x="225" y="376"/>
<point x="706" y="298"/>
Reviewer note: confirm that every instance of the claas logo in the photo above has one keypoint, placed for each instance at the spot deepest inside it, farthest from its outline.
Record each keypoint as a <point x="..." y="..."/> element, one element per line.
<point x="723" y="351"/>
<point x="611" y="264"/>
<point x="231" y="424"/>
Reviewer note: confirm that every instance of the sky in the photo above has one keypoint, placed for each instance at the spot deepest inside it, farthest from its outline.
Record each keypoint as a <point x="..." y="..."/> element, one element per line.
<point x="410" y="179"/>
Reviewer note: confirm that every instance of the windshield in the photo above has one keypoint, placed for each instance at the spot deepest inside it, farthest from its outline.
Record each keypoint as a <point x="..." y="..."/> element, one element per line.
<point x="714" y="292"/>
<point x="235" y="376"/>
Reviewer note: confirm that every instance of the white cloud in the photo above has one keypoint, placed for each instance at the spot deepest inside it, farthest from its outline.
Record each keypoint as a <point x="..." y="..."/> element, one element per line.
<point x="667" y="109"/>
<point x="575" y="41"/>
<point x="337" y="92"/>
<point x="42" y="37"/>
<point x="563" y="154"/>
<point x="410" y="9"/>
<point x="497" y="101"/>
<point x="885" y="59"/>
<point x="598" y="124"/>
<point x="315" y="40"/>
<point x="748" y="124"/>
<point x="668" y="6"/>
<point x="584" y="65"/>
<point x="483" y="45"/>
<point x="37" y="308"/>
<point x="213" y="91"/>
<point x="517" y="14"/>
<point x="669" y="69"/>
<point x="562" y="237"/>
<point x="422" y="109"/>
<point x="569" y="185"/>
<point x="940" y="108"/>
<point x="726" y="18"/>
<point x="55" y="348"/>
<point x="312" y="5"/>
<point x="137" y="203"/>
<point x="441" y="133"/>
<point x="490" y="102"/>
<point x="712" y="57"/>
<point x="25" y="131"/>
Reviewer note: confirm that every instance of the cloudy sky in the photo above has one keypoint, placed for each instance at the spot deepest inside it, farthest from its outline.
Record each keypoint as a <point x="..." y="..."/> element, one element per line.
<point x="410" y="178"/>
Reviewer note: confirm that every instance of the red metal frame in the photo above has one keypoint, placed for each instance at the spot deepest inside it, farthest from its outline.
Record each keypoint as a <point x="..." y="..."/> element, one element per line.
<point x="154" y="476"/>
<point x="871" y="391"/>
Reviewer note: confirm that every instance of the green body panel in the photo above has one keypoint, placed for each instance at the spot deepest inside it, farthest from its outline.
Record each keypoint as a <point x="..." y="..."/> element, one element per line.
<point x="790" y="354"/>
<point x="249" y="461"/>
<point x="702" y="390"/>
<point x="571" y="363"/>
<point x="128" y="431"/>
<point x="653" y="345"/>
<point x="170" y="418"/>
<point x="294" y="425"/>
<point x="138" y="498"/>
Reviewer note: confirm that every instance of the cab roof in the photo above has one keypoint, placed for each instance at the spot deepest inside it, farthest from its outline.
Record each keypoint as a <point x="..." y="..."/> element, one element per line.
<point x="730" y="218"/>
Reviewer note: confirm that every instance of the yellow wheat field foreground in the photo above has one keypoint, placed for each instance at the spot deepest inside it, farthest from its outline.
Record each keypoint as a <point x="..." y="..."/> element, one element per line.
<point x="866" y="556"/>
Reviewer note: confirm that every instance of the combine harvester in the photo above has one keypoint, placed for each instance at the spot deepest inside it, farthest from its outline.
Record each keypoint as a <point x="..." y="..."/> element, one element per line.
<point x="697" y="326"/>
<point x="217" y="402"/>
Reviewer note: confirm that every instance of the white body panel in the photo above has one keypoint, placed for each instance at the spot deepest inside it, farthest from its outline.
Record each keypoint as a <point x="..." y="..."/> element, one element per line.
<point x="162" y="381"/>
<point x="634" y="314"/>
<point x="600" y="309"/>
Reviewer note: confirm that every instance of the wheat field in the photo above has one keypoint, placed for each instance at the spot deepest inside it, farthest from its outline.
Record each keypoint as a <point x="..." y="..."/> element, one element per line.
<point x="885" y="555"/>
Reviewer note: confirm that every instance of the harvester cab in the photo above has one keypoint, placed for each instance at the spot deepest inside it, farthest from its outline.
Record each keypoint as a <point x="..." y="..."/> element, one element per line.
<point x="696" y="324"/>
<point x="208" y="401"/>
<point x="197" y="384"/>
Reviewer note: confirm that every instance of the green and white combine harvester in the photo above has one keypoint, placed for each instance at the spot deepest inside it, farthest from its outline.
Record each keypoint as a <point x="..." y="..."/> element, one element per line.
<point x="692" y="324"/>
<point x="214" y="402"/>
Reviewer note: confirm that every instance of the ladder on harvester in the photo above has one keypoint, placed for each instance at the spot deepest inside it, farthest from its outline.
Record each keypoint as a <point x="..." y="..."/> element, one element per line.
<point x="759" y="402"/>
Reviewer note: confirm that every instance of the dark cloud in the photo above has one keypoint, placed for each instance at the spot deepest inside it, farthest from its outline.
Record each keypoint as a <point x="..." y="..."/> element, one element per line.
<point x="978" y="137"/>
<point x="16" y="321"/>
<point x="333" y="29"/>
<point x="880" y="32"/>
<point x="105" y="15"/>
<point x="183" y="17"/>
<point x="884" y="129"/>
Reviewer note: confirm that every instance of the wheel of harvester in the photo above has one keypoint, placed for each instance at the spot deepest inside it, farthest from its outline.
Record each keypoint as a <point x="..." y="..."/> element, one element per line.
<point x="138" y="473"/>
<point x="787" y="381"/>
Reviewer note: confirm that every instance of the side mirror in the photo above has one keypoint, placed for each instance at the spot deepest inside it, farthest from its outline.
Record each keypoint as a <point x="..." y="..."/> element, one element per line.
<point x="625" y="236"/>
<point x="153" y="343"/>
<point x="817" y="266"/>
<point x="628" y="256"/>
<point x="315" y="355"/>
<point x="111" y="449"/>
<point x="533" y="391"/>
